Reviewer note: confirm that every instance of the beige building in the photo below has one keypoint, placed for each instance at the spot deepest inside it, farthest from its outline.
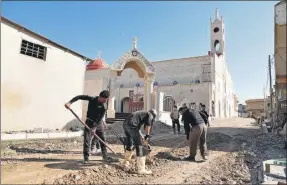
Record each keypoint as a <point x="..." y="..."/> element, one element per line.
<point x="192" y="80"/>
<point x="255" y="107"/>
<point x="37" y="77"/>
<point x="280" y="57"/>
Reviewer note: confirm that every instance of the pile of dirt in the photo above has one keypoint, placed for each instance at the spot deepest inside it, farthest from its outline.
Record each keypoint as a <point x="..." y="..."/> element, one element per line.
<point x="117" y="126"/>
<point x="217" y="141"/>
<point x="228" y="169"/>
<point x="108" y="174"/>
<point x="158" y="127"/>
<point x="40" y="146"/>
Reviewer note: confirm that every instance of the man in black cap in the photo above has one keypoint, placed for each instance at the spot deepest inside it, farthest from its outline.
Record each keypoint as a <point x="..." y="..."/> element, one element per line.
<point x="132" y="126"/>
<point x="196" y="131"/>
<point x="95" y="114"/>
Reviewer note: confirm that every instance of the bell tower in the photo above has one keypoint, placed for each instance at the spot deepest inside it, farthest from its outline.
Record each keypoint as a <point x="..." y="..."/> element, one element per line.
<point x="217" y="35"/>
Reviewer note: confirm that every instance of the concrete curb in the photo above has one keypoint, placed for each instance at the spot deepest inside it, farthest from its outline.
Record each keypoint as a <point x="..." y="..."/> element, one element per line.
<point x="24" y="136"/>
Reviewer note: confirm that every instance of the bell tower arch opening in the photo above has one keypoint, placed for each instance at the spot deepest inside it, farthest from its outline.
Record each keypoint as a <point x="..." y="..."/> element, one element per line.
<point x="217" y="35"/>
<point x="132" y="59"/>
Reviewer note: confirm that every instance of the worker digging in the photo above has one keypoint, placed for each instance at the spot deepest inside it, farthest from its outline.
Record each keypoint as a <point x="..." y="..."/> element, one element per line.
<point x="132" y="126"/>
<point x="196" y="130"/>
<point x="94" y="132"/>
<point x="95" y="114"/>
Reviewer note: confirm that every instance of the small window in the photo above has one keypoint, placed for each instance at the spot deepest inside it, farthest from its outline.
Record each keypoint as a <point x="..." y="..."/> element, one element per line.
<point x="33" y="50"/>
<point x="216" y="29"/>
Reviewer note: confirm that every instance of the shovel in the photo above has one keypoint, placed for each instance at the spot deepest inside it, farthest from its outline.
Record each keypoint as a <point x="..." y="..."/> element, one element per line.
<point x="167" y="153"/>
<point x="122" y="139"/>
<point x="92" y="132"/>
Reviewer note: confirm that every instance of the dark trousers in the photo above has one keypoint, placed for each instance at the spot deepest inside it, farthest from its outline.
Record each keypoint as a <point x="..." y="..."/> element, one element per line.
<point x="134" y="138"/>
<point x="87" y="139"/>
<point x="95" y="143"/>
<point x="197" y="135"/>
<point x="176" y="122"/>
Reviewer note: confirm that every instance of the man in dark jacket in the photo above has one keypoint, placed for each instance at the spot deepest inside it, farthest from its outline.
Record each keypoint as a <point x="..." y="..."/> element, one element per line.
<point x="132" y="126"/>
<point x="196" y="129"/>
<point x="206" y="114"/>
<point x="95" y="114"/>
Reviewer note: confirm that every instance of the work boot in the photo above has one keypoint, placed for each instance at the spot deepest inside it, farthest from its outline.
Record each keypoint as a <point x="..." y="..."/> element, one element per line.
<point x="128" y="157"/>
<point x="189" y="158"/>
<point x="141" y="166"/>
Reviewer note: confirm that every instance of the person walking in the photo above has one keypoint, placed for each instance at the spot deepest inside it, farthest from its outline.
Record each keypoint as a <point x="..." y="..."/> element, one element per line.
<point x="196" y="132"/>
<point x="132" y="126"/>
<point x="174" y="115"/>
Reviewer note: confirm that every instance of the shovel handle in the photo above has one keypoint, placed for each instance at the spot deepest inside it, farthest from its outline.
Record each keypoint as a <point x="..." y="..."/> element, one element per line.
<point x="173" y="148"/>
<point x="93" y="132"/>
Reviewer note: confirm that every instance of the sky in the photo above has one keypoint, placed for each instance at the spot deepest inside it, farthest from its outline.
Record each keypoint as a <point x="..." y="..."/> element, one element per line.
<point x="165" y="30"/>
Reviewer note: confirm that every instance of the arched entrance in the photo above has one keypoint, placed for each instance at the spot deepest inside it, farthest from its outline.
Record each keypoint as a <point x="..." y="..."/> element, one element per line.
<point x="125" y="105"/>
<point x="168" y="103"/>
<point x="145" y="70"/>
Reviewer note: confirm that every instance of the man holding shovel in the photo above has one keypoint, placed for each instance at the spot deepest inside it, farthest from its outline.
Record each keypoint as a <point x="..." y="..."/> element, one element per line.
<point x="132" y="126"/>
<point x="95" y="114"/>
<point x="196" y="131"/>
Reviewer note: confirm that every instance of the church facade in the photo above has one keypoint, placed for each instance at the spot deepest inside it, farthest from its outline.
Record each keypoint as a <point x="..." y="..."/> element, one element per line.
<point x="195" y="81"/>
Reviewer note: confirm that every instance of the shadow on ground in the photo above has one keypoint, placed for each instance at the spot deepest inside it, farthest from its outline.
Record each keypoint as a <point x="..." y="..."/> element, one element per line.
<point x="66" y="164"/>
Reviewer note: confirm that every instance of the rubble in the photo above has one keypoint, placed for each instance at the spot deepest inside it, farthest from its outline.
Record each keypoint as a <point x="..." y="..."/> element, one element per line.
<point x="234" y="159"/>
<point x="158" y="127"/>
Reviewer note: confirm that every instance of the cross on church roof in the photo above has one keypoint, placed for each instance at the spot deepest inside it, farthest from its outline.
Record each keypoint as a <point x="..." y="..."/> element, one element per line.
<point x="216" y="14"/>
<point x="99" y="53"/>
<point x="134" y="42"/>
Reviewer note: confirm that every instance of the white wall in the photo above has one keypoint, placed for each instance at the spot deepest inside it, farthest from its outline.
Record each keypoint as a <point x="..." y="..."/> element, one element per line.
<point x="33" y="91"/>
<point x="223" y="88"/>
<point x="181" y="93"/>
<point x="182" y="70"/>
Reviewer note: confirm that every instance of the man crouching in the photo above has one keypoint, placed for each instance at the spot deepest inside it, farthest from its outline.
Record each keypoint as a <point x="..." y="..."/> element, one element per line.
<point x="132" y="126"/>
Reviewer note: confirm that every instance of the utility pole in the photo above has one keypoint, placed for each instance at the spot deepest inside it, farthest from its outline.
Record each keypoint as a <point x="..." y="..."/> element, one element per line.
<point x="271" y="89"/>
<point x="265" y="105"/>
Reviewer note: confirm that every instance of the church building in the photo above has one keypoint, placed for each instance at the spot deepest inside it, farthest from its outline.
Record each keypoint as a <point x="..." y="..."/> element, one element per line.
<point x="196" y="80"/>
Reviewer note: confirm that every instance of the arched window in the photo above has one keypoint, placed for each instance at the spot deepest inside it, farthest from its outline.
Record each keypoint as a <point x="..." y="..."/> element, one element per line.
<point x="168" y="103"/>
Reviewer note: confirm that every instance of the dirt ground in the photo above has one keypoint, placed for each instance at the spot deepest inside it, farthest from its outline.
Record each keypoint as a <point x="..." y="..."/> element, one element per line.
<point x="236" y="149"/>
